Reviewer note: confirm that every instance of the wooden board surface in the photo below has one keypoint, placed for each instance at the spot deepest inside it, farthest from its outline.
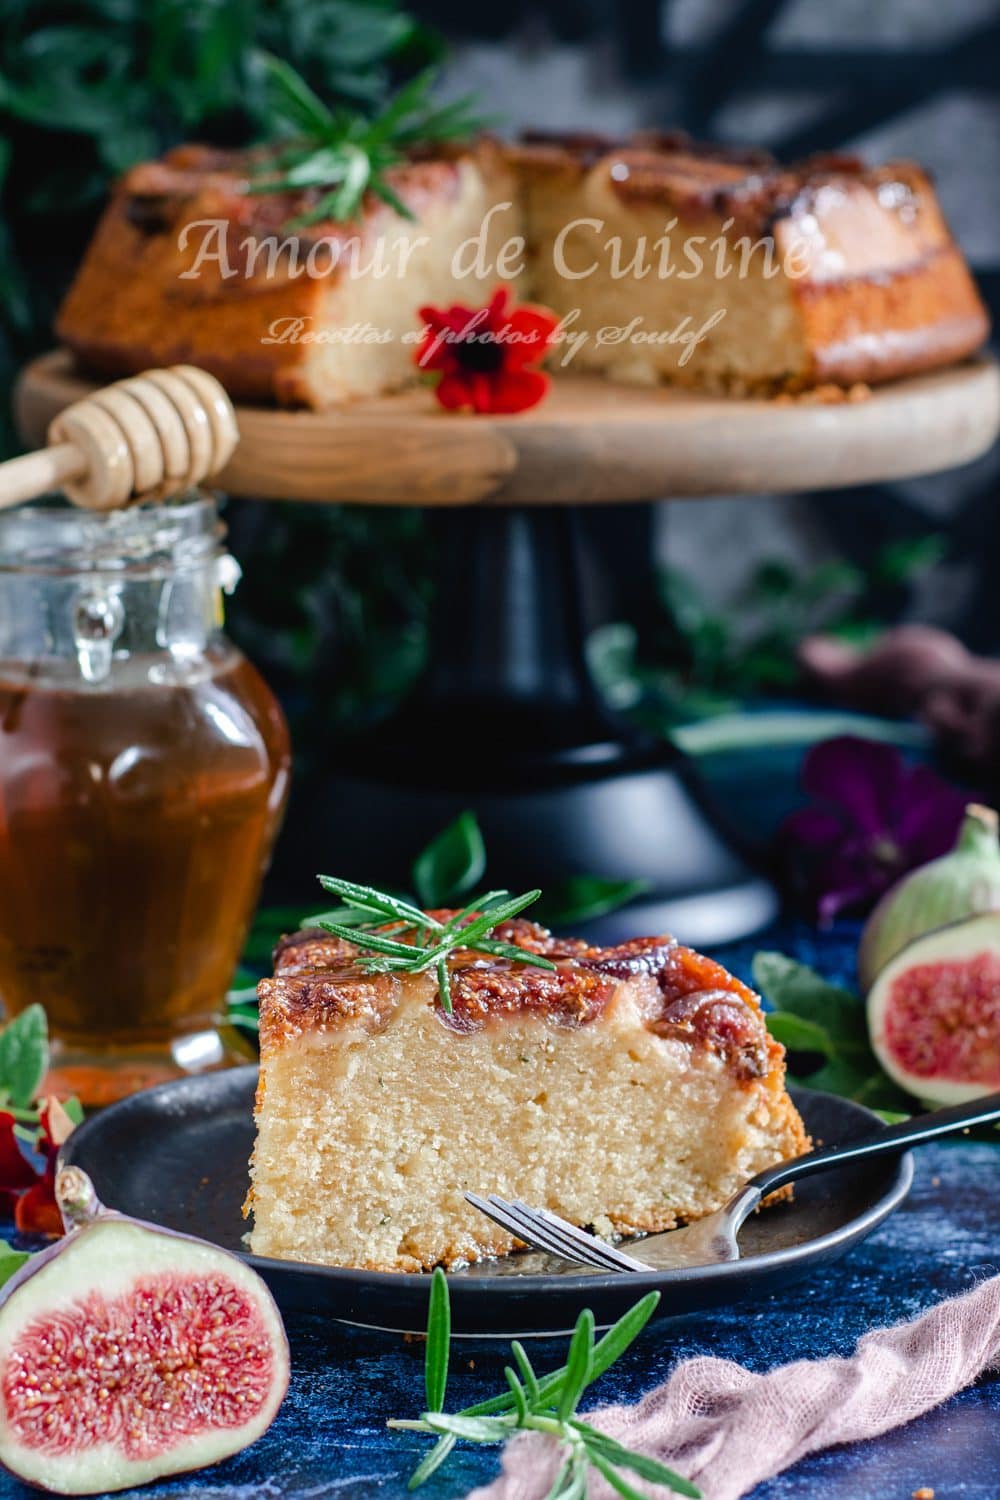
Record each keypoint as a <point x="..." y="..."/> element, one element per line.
<point x="589" y="441"/>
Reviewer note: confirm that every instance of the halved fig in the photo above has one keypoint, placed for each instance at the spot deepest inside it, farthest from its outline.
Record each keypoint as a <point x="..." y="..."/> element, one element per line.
<point x="934" y="1012"/>
<point x="128" y="1352"/>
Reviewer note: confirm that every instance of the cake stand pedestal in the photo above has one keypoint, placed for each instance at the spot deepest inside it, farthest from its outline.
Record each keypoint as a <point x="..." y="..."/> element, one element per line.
<point x="507" y="721"/>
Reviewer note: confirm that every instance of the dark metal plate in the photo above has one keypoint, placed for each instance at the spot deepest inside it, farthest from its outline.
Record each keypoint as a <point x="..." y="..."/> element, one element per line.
<point x="177" y="1155"/>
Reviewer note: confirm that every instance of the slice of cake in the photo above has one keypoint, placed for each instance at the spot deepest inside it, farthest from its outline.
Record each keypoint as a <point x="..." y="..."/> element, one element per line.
<point x="185" y="258"/>
<point x="628" y="1088"/>
<point x="737" y="273"/>
<point x="669" y="261"/>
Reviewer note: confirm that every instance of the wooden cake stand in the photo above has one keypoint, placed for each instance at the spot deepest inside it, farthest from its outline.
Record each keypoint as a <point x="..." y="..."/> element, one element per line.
<point x="506" y="720"/>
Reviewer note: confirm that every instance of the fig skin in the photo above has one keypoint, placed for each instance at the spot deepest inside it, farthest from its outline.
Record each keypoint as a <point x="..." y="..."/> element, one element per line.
<point x="960" y="945"/>
<point x="114" y="1257"/>
<point x="960" y="884"/>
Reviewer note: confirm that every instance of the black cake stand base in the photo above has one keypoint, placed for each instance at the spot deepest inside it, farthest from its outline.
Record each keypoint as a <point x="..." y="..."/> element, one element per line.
<point x="507" y="722"/>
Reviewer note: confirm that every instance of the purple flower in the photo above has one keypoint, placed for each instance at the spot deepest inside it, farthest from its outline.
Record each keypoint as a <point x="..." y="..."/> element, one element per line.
<point x="872" y="818"/>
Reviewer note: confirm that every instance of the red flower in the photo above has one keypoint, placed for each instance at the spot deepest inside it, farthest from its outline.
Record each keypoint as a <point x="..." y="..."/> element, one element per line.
<point x="36" y="1211"/>
<point x="16" y="1172"/>
<point x="25" y="1194"/>
<point x="485" y="357"/>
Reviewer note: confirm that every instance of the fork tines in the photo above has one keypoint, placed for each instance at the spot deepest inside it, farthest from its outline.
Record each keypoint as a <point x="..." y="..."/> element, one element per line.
<point x="556" y="1236"/>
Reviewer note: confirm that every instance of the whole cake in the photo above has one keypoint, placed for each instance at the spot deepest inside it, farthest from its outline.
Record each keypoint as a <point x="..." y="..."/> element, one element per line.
<point x="713" y="268"/>
<point x="628" y="1088"/>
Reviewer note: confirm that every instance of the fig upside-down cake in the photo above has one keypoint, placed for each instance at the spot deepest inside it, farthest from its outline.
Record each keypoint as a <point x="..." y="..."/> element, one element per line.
<point x="629" y="1088"/>
<point x="828" y="271"/>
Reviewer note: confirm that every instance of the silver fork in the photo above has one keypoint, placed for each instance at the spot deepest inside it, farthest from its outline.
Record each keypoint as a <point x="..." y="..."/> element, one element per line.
<point x="714" y="1239"/>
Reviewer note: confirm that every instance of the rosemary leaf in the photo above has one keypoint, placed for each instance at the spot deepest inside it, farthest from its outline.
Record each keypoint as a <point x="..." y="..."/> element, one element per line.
<point x="628" y="1491"/>
<point x="517" y="1391"/>
<point x="612" y="1346"/>
<point x="367" y="898"/>
<point x="346" y="153"/>
<point x="474" y="909"/>
<point x="293" y="99"/>
<point x="511" y="950"/>
<point x="541" y="1405"/>
<point x="432" y="1461"/>
<point x="444" y="985"/>
<point x="579" y="1363"/>
<point x="484" y="924"/>
<point x="472" y="1429"/>
<point x="642" y="1464"/>
<point x="527" y="1373"/>
<point x="438" y="1342"/>
<point x="373" y="940"/>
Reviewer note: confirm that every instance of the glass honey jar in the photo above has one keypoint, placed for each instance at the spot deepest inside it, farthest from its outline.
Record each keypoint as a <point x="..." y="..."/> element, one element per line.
<point x="144" y="766"/>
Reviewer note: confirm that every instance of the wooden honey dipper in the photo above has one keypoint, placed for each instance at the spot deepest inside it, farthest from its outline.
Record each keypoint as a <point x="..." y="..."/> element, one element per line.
<point x="153" y="435"/>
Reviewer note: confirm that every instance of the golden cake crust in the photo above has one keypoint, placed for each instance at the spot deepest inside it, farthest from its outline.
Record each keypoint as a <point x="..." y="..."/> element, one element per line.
<point x="880" y="289"/>
<point x="319" y="985"/>
<point x="632" y="1088"/>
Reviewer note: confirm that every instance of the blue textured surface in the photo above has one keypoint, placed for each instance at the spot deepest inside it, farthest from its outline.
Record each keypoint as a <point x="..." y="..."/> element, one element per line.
<point x="330" y="1437"/>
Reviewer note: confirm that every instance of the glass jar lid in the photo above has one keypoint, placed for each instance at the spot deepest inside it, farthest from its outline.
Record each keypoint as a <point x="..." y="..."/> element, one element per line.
<point x="146" y="541"/>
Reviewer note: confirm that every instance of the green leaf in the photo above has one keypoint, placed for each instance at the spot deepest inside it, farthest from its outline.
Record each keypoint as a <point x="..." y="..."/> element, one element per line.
<point x="473" y="1429"/>
<point x="378" y="903"/>
<point x="865" y="1084"/>
<point x="581" y="898"/>
<point x="11" y="1261"/>
<point x="642" y="1464"/>
<point x="438" y="1341"/>
<point x="527" y="1372"/>
<point x="794" y="987"/>
<point x="571" y="1481"/>
<point x="452" y="863"/>
<point x="797" y="1033"/>
<point x="579" y="1364"/>
<point x="24" y="1055"/>
<point x="629" y="1491"/>
<point x="376" y="942"/>
<point x="517" y="1391"/>
<point x="74" y="1109"/>
<point x="444" y="985"/>
<point x="904" y="560"/>
<point x="293" y="98"/>
<point x="432" y="1461"/>
<point x="620" y="1335"/>
<point x="482" y="925"/>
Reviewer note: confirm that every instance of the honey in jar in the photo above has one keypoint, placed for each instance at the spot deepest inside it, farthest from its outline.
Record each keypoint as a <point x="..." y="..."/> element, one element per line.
<point x="143" y="771"/>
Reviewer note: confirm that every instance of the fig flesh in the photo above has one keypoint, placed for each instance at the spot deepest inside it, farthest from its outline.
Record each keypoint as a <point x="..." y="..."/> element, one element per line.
<point x="129" y="1352"/>
<point x="934" y="1012"/>
<point x="957" y="885"/>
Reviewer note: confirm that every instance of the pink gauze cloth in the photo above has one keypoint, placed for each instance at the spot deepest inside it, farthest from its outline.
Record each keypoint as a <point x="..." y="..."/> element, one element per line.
<point x="726" y="1429"/>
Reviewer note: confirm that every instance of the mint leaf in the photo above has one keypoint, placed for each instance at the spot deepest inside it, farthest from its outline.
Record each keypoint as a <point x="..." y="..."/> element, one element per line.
<point x="813" y="1015"/>
<point x="452" y="863"/>
<point x="11" y="1261"/>
<point x="581" y="898"/>
<point x="798" y="1034"/>
<point x="24" y="1055"/>
<point x="793" y="987"/>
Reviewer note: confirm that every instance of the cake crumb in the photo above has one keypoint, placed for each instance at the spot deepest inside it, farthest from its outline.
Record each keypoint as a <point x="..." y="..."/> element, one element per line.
<point x="827" y="394"/>
<point x="924" y="1493"/>
<point x="935" y="1182"/>
<point x="472" y="1364"/>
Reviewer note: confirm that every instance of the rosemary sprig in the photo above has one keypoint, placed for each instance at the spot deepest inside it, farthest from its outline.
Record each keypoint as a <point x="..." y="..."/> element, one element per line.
<point x="399" y="938"/>
<point x="544" y="1404"/>
<point x="344" y="153"/>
